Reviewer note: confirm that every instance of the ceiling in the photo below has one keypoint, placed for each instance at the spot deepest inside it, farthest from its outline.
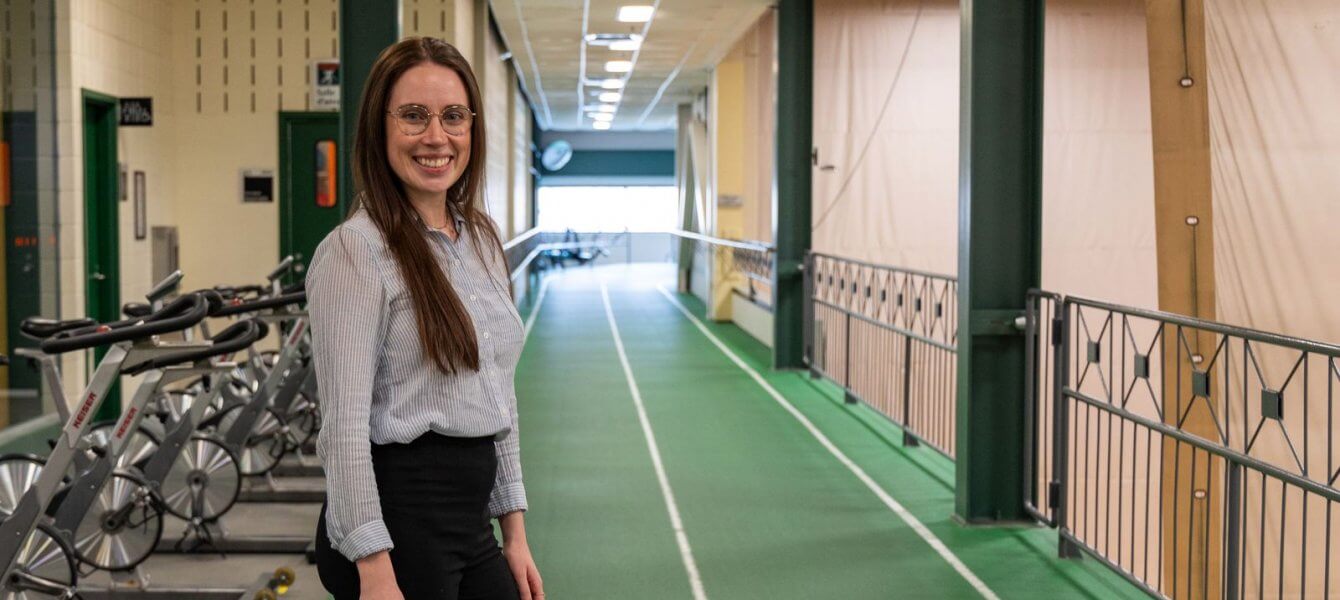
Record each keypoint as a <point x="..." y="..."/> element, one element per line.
<point x="682" y="42"/>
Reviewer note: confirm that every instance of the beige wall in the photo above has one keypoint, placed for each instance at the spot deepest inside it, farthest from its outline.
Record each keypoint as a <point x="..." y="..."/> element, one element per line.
<point x="886" y="84"/>
<point x="219" y="73"/>
<point x="1098" y="164"/>
<point x="493" y="75"/>
<point x="521" y="162"/>
<point x="117" y="48"/>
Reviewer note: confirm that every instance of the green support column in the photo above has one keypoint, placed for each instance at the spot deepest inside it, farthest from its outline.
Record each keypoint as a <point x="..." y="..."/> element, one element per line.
<point x="377" y="26"/>
<point x="999" y="258"/>
<point x="791" y="193"/>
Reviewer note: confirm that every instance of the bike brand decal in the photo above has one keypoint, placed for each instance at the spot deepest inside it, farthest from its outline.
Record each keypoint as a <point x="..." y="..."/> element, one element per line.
<point x="125" y="423"/>
<point x="84" y="410"/>
<point x="297" y="332"/>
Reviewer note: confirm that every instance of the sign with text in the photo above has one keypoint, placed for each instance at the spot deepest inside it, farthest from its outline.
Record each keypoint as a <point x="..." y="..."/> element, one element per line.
<point x="137" y="112"/>
<point x="326" y="84"/>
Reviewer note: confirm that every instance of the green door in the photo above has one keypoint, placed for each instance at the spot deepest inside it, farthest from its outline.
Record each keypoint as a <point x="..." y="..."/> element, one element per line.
<point x="101" y="230"/>
<point x="309" y="203"/>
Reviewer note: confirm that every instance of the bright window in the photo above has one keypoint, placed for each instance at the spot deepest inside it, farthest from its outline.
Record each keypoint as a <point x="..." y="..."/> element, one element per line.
<point x="607" y="208"/>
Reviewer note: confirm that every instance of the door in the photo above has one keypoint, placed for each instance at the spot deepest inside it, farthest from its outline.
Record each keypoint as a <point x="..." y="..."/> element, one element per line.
<point x="310" y="203"/>
<point x="101" y="230"/>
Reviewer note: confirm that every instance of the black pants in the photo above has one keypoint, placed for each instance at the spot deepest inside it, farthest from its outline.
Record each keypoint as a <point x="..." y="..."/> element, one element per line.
<point x="434" y="495"/>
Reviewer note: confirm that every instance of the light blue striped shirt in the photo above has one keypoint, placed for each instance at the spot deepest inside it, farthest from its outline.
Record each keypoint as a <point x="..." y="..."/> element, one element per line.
<point x="378" y="387"/>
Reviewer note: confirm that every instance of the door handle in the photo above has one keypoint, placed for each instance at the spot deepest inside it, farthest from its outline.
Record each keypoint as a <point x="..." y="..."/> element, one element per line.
<point x="97" y="276"/>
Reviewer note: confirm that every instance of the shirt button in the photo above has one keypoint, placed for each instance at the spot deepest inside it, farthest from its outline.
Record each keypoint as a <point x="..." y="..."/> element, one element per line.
<point x="486" y="335"/>
<point x="472" y="297"/>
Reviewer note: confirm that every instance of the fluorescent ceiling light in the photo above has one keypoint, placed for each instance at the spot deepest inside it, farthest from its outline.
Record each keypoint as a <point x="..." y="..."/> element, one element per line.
<point x="610" y="96"/>
<point x="609" y="108"/>
<point x="635" y="14"/>
<point x="612" y="84"/>
<point x="603" y="116"/>
<point x="601" y="125"/>
<point x="627" y="45"/>
<point x="619" y="66"/>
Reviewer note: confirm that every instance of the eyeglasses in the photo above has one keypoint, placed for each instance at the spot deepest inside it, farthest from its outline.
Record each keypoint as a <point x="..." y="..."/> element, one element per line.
<point x="414" y="119"/>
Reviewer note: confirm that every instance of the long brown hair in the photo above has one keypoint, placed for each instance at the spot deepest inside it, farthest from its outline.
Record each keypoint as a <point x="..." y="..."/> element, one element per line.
<point x="445" y="328"/>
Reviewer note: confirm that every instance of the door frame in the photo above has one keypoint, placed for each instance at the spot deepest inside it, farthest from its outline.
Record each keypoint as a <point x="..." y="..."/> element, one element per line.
<point x="102" y="229"/>
<point x="288" y="119"/>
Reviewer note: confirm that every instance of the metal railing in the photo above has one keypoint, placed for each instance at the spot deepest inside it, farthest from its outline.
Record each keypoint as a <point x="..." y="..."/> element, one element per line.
<point x="863" y="318"/>
<point x="523" y="250"/>
<point x="1197" y="459"/>
<point x="753" y="261"/>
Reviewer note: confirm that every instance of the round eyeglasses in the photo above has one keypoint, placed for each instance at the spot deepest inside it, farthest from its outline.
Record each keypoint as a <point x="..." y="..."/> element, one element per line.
<point x="413" y="119"/>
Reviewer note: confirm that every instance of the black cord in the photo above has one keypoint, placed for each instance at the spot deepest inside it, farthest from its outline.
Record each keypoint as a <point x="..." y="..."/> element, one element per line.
<point x="902" y="62"/>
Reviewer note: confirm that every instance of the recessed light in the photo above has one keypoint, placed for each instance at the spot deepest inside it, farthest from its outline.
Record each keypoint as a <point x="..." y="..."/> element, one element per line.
<point x="626" y="46"/>
<point x="619" y="66"/>
<point x="635" y="14"/>
<point x="603" y="116"/>
<point x="610" y="96"/>
<point x="602" y="125"/>
<point x="612" y="84"/>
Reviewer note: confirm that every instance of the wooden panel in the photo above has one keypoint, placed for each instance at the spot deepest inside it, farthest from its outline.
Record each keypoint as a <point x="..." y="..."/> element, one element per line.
<point x="1180" y="117"/>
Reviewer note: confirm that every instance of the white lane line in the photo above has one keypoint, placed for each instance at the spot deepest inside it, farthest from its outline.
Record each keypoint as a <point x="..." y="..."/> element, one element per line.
<point x="535" y="312"/>
<point x="686" y="553"/>
<point x="860" y="473"/>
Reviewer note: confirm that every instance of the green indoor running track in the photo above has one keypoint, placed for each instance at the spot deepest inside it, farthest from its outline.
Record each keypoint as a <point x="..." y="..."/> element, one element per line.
<point x="657" y="466"/>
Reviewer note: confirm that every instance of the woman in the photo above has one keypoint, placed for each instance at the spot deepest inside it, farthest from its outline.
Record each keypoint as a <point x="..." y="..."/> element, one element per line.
<point x="416" y="341"/>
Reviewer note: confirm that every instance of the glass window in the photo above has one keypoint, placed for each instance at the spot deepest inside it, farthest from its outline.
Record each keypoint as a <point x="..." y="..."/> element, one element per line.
<point x="607" y="208"/>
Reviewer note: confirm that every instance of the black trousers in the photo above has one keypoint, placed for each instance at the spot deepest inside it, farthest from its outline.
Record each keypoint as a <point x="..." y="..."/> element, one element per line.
<point x="434" y="495"/>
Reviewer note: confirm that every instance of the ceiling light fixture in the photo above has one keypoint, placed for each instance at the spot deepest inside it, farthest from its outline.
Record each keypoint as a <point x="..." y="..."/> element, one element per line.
<point x="635" y="14"/>
<point x="609" y="39"/>
<point x="612" y="84"/>
<point x="627" y="45"/>
<point x="619" y="66"/>
<point x="610" y="96"/>
<point x="607" y="108"/>
<point x="603" y="116"/>
<point x="601" y="125"/>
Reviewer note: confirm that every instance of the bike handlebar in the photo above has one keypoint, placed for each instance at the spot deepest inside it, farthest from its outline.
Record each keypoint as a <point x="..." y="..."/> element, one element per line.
<point x="183" y="313"/>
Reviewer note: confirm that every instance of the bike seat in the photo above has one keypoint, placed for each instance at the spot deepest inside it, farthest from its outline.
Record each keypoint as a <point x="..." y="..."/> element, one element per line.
<point x="136" y="309"/>
<point x="42" y="328"/>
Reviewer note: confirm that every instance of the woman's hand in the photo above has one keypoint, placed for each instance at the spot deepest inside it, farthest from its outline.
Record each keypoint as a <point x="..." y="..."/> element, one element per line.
<point x="376" y="578"/>
<point x="517" y="553"/>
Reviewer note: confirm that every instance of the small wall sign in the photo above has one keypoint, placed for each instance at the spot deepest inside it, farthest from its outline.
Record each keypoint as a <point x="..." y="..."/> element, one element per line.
<point x="137" y="112"/>
<point x="258" y="185"/>
<point x="326" y="84"/>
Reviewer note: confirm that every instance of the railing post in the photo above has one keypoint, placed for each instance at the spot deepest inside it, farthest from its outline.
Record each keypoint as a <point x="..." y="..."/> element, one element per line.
<point x="846" y="363"/>
<point x="1061" y="434"/>
<point x="807" y="289"/>
<point x="1031" y="421"/>
<point x="909" y="440"/>
<point x="1233" y="533"/>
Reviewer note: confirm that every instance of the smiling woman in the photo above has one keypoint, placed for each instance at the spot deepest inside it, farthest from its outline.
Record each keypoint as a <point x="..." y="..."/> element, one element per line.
<point x="416" y="341"/>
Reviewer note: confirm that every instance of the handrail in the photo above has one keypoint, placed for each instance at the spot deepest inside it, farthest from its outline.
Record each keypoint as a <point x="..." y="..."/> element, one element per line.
<point x="1215" y="327"/>
<point x="535" y="252"/>
<point x="758" y="247"/>
<point x="886" y="267"/>
<point x="521" y="239"/>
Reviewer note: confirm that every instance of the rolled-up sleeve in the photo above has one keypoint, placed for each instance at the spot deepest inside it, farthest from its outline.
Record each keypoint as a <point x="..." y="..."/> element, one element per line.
<point x="509" y="494"/>
<point x="346" y="302"/>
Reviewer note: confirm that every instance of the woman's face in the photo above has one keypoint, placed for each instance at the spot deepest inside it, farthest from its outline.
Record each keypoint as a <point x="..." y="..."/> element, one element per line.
<point x="428" y="163"/>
